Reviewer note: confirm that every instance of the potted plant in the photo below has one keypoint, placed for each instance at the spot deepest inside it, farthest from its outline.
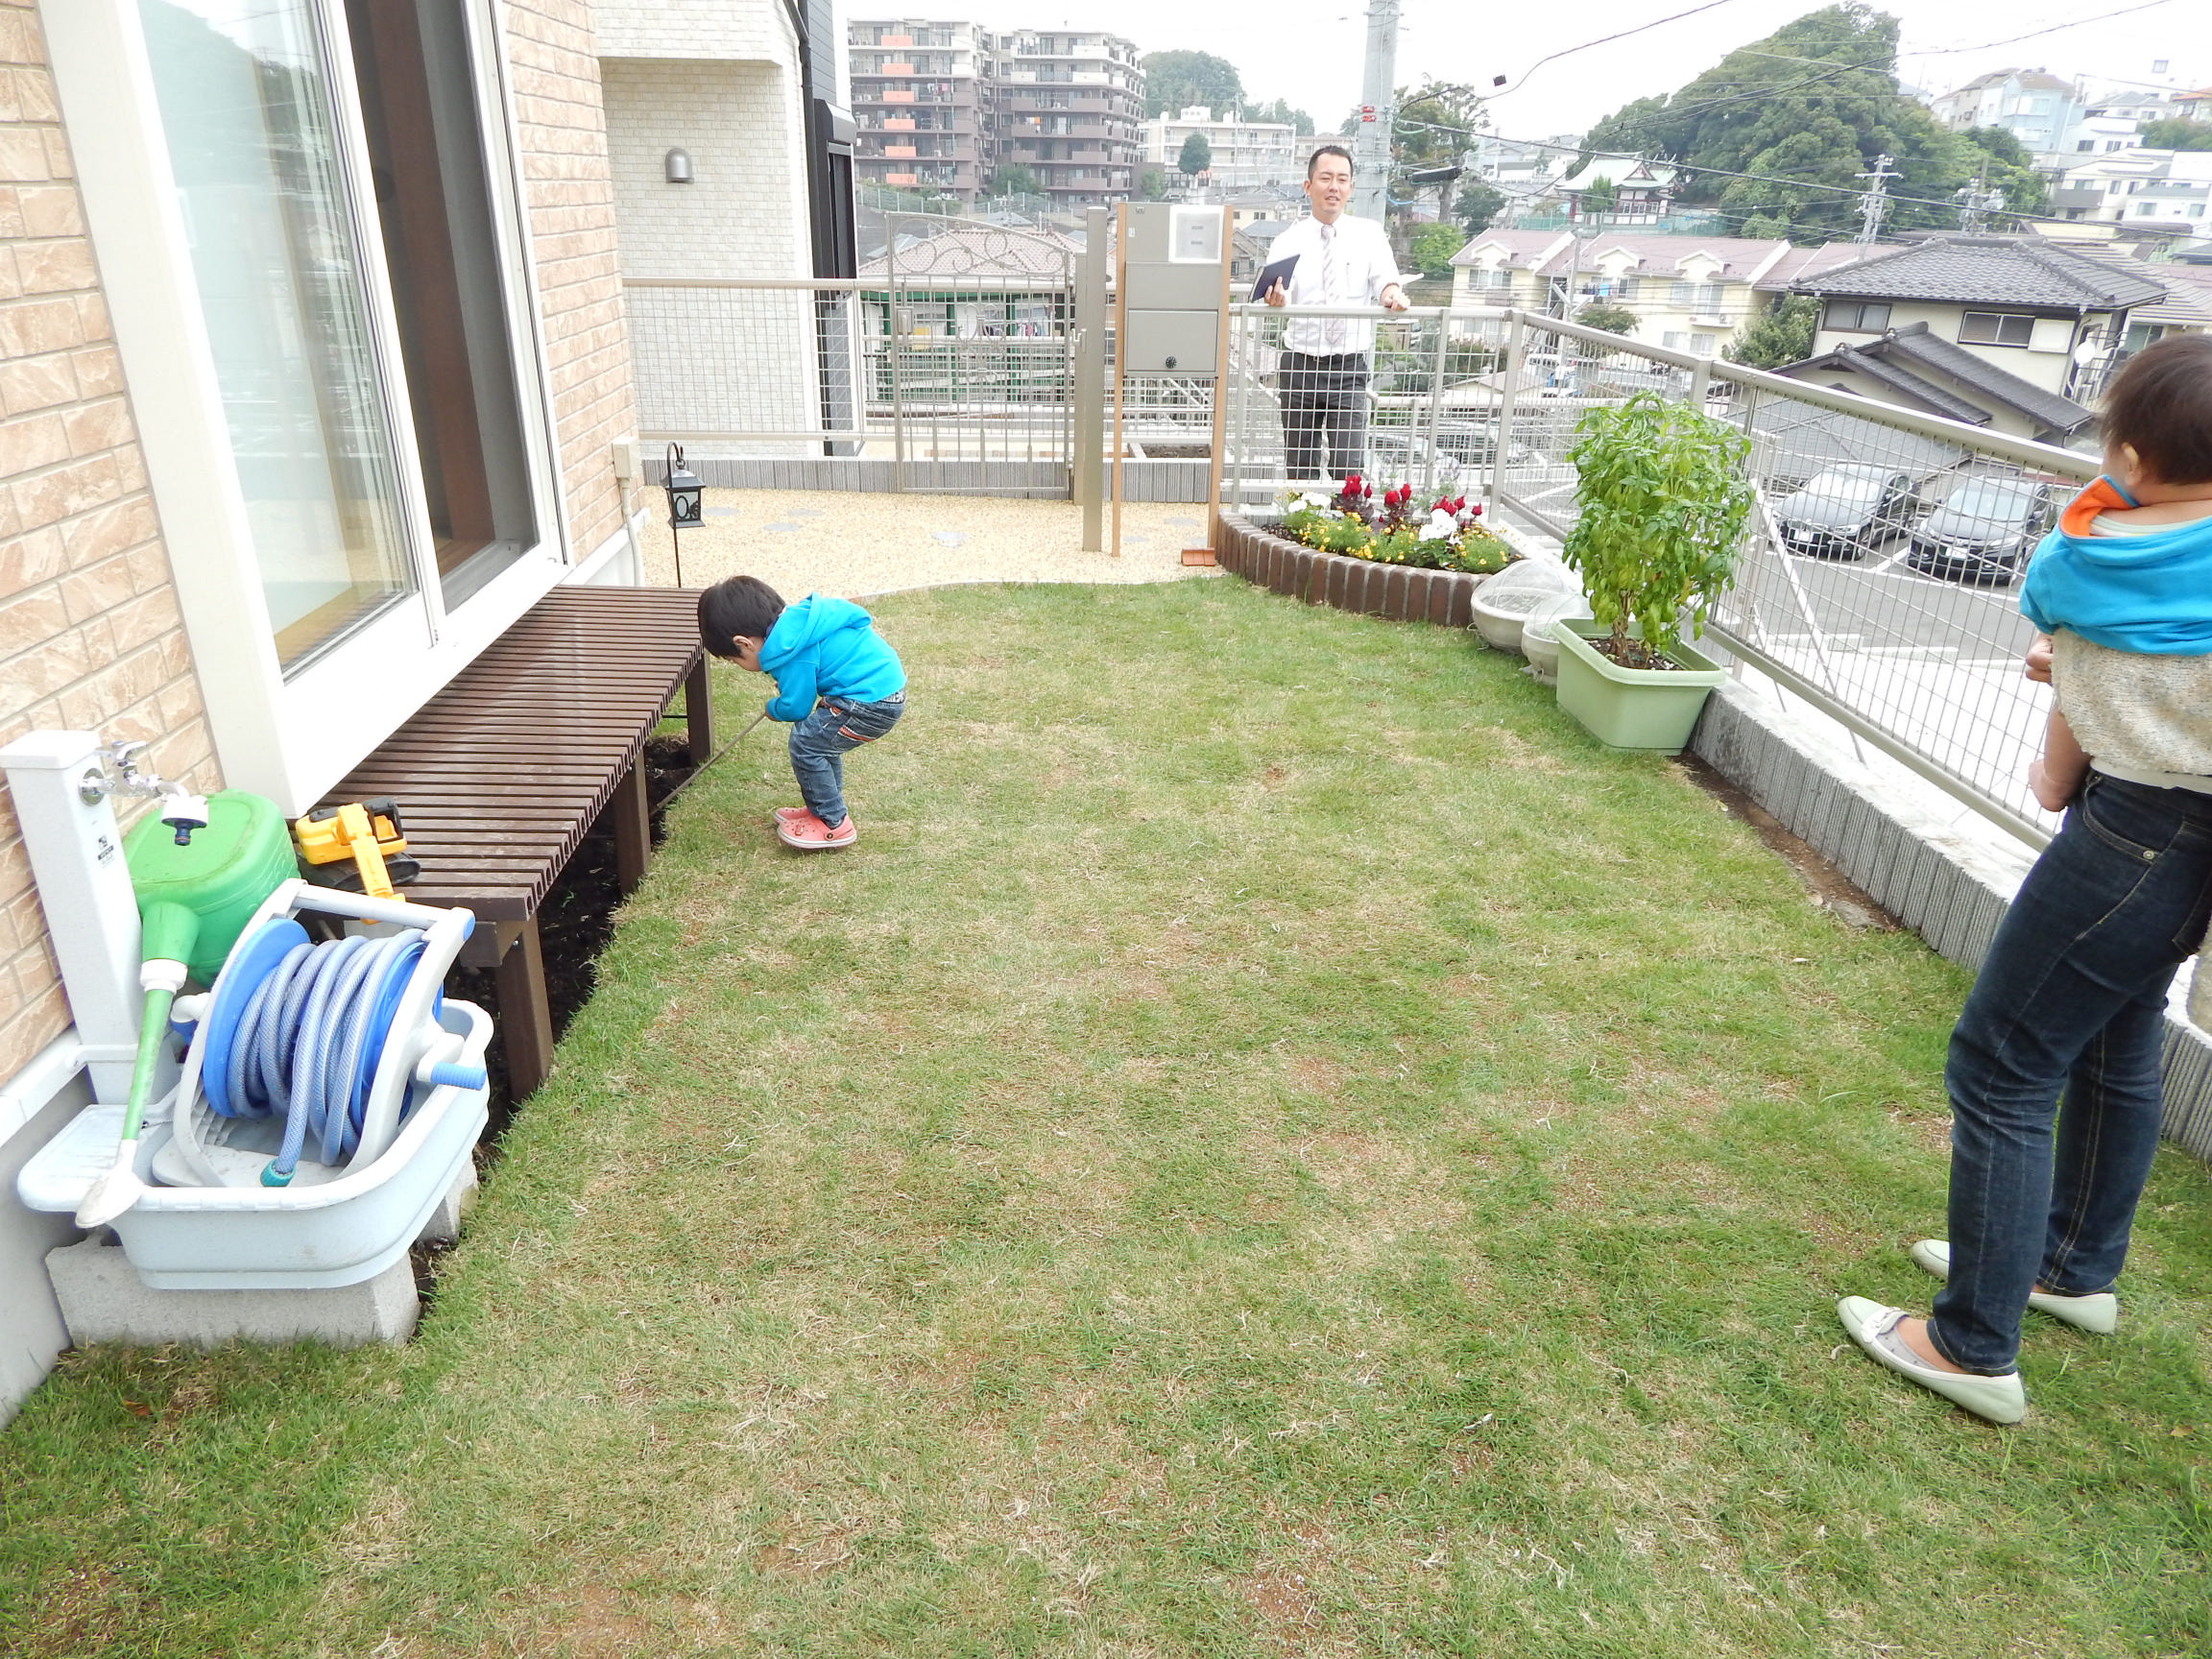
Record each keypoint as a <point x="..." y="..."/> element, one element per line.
<point x="1663" y="504"/>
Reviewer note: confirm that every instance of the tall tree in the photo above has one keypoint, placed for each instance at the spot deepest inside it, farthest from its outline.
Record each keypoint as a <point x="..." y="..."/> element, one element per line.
<point x="1812" y="106"/>
<point x="1782" y="334"/>
<point x="1174" y="80"/>
<point x="1432" y="247"/>
<point x="1197" y="156"/>
<point x="1014" y="180"/>
<point x="1297" y="120"/>
<point x="1477" y="204"/>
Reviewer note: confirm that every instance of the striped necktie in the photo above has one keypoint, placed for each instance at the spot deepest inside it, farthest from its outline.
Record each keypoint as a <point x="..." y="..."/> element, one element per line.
<point x="1333" y="331"/>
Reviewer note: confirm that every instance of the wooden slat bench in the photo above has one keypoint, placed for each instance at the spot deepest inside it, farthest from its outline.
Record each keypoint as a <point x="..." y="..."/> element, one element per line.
<point x="500" y="775"/>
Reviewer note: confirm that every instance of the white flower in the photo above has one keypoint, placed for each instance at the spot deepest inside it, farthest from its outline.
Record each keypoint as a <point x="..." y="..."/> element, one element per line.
<point x="1441" y="527"/>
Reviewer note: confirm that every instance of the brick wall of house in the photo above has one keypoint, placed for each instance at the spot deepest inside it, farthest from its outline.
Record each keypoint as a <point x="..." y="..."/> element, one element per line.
<point x="90" y="638"/>
<point x="562" y="134"/>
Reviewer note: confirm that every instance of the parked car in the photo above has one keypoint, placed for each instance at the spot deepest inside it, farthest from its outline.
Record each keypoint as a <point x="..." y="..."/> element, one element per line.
<point x="1982" y="531"/>
<point x="1844" y="512"/>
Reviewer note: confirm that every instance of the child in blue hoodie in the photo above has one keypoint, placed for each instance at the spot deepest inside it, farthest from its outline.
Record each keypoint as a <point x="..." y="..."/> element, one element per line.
<point x="835" y="679"/>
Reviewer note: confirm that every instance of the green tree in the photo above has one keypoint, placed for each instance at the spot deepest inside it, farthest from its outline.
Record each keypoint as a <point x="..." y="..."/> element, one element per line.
<point x="1812" y="104"/>
<point x="1014" y="180"/>
<point x="1613" y="318"/>
<point x="1598" y="197"/>
<point x="1782" y="334"/>
<point x="1152" y="185"/>
<point x="2002" y="163"/>
<point x="1197" y="156"/>
<point x="1173" y="81"/>
<point x="2173" y="132"/>
<point x="1432" y="247"/>
<point x="1281" y="110"/>
<point x="1477" y="204"/>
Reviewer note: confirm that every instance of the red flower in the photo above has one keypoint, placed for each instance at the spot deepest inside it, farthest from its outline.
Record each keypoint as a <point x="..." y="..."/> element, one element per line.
<point x="1478" y="511"/>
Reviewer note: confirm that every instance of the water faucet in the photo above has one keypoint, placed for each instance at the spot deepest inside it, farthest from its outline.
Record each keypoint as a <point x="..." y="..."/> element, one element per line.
<point x="180" y="809"/>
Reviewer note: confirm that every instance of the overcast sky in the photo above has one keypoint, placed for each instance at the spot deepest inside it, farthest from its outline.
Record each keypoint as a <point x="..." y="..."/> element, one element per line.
<point x="1309" y="50"/>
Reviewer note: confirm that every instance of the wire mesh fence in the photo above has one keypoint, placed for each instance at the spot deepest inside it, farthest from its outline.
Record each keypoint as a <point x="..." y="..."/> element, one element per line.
<point x="1879" y="578"/>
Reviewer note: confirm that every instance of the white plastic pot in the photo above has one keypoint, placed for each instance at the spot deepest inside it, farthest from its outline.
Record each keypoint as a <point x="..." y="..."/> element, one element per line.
<point x="1503" y="604"/>
<point x="1537" y="642"/>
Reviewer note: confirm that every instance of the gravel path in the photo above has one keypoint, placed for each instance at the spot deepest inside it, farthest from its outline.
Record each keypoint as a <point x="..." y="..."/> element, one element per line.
<point x="850" y="543"/>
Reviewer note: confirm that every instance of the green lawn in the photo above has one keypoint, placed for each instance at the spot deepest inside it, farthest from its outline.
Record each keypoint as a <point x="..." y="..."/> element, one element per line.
<point x="1273" y="1143"/>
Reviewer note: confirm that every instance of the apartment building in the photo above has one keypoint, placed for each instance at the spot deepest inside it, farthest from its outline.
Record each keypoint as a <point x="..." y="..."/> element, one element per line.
<point x="2035" y="106"/>
<point x="1245" y="154"/>
<point x="941" y="105"/>
<point x="1070" y="107"/>
<point x="2162" y="193"/>
<point x="922" y="102"/>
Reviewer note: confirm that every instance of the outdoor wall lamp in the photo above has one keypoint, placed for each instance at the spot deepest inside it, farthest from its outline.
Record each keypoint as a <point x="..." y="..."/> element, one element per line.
<point x="678" y="165"/>
<point x="683" y="512"/>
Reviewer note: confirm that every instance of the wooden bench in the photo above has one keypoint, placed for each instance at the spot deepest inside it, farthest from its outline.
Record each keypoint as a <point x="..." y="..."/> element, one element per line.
<point x="500" y="775"/>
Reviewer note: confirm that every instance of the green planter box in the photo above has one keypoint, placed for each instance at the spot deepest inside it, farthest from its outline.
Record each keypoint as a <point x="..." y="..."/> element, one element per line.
<point x="1631" y="708"/>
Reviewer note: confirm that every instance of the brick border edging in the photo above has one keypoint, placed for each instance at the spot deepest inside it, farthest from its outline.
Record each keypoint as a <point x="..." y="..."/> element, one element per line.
<point x="1394" y="592"/>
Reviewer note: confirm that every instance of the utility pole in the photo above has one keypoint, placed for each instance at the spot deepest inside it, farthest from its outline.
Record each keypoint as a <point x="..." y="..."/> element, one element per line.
<point x="1371" y="149"/>
<point x="1876" y="201"/>
<point x="1974" y="201"/>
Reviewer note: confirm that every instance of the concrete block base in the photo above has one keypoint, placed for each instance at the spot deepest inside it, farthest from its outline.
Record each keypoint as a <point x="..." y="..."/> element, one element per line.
<point x="103" y="1300"/>
<point x="444" y="1224"/>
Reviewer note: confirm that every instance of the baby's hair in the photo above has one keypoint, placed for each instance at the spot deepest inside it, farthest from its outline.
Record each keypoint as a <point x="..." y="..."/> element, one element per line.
<point x="737" y="608"/>
<point x="2160" y="405"/>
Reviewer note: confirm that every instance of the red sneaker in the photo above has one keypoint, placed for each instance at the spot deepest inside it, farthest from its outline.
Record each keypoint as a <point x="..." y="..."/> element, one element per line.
<point x="809" y="834"/>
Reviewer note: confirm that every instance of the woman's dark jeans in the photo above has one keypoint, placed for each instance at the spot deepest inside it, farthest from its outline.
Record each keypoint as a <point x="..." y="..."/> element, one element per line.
<point x="2072" y="994"/>
<point x="819" y="743"/>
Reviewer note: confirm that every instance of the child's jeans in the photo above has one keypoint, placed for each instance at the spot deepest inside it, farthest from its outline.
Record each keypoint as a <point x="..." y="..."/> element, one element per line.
<point x="819" y="743"/>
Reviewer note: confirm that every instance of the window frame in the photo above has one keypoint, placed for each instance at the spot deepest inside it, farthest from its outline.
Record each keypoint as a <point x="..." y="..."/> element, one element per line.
<point x="2027" y="334"/>
<point x="1859" y="310"/>
<point x="291" y="736"/>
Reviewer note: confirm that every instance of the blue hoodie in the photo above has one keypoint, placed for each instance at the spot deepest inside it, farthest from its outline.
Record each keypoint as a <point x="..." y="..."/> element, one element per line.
<point x="827" y="647"/>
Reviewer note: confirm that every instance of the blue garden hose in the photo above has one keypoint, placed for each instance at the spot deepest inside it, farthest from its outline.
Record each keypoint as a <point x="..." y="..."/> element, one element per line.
<point x="308" y="1040"/>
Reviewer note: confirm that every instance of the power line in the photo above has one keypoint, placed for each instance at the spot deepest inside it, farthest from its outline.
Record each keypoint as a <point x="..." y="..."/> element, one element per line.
<point x="1603" y="39"/>
<point x="2033" y="33"/>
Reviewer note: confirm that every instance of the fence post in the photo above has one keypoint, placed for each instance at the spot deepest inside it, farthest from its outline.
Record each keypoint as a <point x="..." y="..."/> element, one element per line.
<point x="1700" y="378"/>
<point x="893" y="353"/>
<point x="1508" y="383"/>
<point x="1437" y="397"/>
<point x="1090" y="388"/>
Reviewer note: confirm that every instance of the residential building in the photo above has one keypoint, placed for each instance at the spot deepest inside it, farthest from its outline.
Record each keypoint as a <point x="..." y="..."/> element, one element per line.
<point x="2149" y="192"/>
<point x="2045" y="314"/>
<point x="1687" y="293"/>
<point x="2035" y="107"/>
<point x="1525" y="171"/>
<point x="1245" y="154"/>
<point x="922" y="100"/>
<point x="1070" y="107"/>
<point x="313" y="365"/>
<point x="1915" y="368"/>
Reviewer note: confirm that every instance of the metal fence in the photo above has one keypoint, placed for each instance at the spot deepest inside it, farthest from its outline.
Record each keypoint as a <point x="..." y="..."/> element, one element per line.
<point x="1879" y="580"/>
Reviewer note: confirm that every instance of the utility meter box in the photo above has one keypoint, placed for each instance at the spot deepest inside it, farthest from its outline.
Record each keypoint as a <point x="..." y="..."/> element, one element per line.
<point x="1174" y="273"/>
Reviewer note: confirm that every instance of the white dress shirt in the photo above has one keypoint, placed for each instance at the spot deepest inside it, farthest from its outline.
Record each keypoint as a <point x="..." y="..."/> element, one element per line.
<point x="1345" y="263"/>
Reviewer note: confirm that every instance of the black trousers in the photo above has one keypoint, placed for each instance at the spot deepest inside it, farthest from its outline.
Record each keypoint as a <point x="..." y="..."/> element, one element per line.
<point x="1323" y="407"/>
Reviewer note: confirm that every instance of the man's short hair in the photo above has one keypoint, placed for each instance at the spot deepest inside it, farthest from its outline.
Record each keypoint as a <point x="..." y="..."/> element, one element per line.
<point x="2160" y="405"/>
<point x="737" y="608"/>
<point x="1314" y="160"/>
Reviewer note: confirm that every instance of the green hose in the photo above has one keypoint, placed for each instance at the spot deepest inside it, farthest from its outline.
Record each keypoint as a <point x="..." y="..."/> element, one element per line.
<point x="151" y="1028"/>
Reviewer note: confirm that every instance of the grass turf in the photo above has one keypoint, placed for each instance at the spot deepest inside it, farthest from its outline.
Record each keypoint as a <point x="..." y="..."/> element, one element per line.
<point x="1274" y="1142"/>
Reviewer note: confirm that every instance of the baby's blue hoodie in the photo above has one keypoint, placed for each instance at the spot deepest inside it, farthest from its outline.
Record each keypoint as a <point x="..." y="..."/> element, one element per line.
<point x="829" y="648"/>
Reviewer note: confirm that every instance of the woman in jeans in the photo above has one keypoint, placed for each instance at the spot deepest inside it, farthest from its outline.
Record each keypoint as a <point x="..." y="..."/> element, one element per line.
<point x="2072" y="994"/>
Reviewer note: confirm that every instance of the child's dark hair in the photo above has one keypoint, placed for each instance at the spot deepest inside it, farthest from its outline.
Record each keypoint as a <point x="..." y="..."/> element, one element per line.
<point x="737" y="608"/>
<point x="2160" y="405"/>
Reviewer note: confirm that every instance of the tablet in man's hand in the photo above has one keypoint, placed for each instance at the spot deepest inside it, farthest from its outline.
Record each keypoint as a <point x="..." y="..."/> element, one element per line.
<point x="1279" y="272"/>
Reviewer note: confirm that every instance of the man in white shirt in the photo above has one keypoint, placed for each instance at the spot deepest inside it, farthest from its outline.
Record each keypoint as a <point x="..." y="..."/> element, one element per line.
<point x="1323" y="374"/>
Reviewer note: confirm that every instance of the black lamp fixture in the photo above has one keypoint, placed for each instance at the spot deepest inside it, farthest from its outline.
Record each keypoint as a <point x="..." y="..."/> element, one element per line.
<point x="684" y="509"/>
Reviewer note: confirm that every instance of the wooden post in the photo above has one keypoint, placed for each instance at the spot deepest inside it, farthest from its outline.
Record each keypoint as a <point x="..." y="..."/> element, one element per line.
<point x="525" y="1016"/>
<point x="699" y="712"/>
<point x="632" y="827"/>
<point x="1220" y="385"/>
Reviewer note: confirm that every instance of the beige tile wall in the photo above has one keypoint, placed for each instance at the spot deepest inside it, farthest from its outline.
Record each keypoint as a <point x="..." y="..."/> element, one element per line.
<point x="89" y="632"/>
<point x="562" y="133"/>
<point x="89" y="635"/>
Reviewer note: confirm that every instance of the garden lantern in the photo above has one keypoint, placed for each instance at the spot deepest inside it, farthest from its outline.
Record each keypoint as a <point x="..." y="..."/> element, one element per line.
<point x="683" y="509"/>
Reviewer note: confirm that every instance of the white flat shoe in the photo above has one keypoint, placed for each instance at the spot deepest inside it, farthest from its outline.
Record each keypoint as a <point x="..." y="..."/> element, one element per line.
<point x="1874" y="1328"/>
<point x="2099" y="1312"/>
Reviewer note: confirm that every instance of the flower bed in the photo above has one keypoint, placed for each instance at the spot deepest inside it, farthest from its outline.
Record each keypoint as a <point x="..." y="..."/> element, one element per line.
<point x="1263" y="555"/>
